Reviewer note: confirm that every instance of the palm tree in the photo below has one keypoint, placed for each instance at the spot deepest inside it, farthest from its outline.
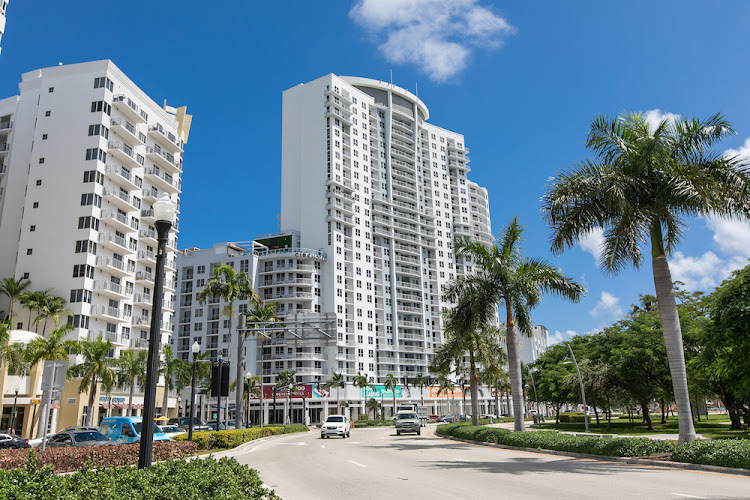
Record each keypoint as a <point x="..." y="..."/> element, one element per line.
<point x="498" y="380"/>
<point x="13" y="289"/>
<point x="505" y="277"/>
<point x="231" y="286"/>
<point x="372" y="404"/>
<point x="465" y="335"/>
<point x="33" y="301"/>
<point x="421" y="382"/>
<point x="284" y="379"/>
<point x="445" y="385"/>
<point x="391" y="383"/>
<point x="641" y="185"/>
<point x="175" y="372"/>
<point x="132" y="365"/>
<point x="54" y="347"/>
<point x="97" y="367"/>
<point x="50" y="307"/>
<point x="258" y="319"/>
<point x="338" y="382"/>
<point x="250" y="385"/>
<point x="12" y="355"/>
<point x="360" y="380"/>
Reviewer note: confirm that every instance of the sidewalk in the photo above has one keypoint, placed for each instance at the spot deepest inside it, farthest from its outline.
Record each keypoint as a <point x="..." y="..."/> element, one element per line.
<point x="655" y="437"/>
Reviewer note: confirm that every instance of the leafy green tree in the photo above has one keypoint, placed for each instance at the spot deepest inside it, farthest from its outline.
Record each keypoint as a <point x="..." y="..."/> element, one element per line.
<point x="131" y="369"/>
<point x="338" y="382"/>
<point x="506" y="278"/>
<point x="360" y="380"/>
<point x="497" y="379"/>
<point x="34" y="301"/>
<point x="12" y="288"/>
<point x="97" y="367"/>
<point x="287" y="378"/>
<point x="250" y="386"/>
<point x="177" y="373"/>
<point x="641" y="185"/>
<point x="446" y="385"/>
<point x="420" y="382"/>
<point x="391" y="383"/>
<point x="231" y="286"/>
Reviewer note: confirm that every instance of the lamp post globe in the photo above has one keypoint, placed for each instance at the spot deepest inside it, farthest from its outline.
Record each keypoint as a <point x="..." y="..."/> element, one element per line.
<point x="195" y="349"/>
<point x="165" y="211"/>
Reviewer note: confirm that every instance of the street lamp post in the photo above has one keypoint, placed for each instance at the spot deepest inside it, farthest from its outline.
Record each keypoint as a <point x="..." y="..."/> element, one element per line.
<point x="195" y="348"/>
<point x="164" y="213"/>
<point x="583" y="393"/>
<point x="12" y="424"/>
<point x="538" y="411"/>
<point x="247" y="406"/>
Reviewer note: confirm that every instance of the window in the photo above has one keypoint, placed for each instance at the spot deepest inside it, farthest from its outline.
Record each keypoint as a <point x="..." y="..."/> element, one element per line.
<point x="39" y="182"/>
<point x="201" y="269"/>
<point x="36" y="204"/>
<point x="80" y="296"/>
<point x="83" y="246"/>
<point x="41" y="160"/>
<point x="93" y="176"/>
<point x="96" y="153"/>
<point x="47" y="113"/>
<point x="29" y="251"/>
<point x="91" y="199"/>
<point x="104" y="82"/>
<point x="32" y="228"/>
<point x="88" y="222"/>
<point x="51" y="89"/>
<point x="83" y="271"/>
<point x="99" y="129"/>
<point x="44" y="137"/>
<point x="97" y="106"/>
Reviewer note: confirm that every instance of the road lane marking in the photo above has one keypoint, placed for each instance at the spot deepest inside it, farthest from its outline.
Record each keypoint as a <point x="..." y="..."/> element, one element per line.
<point x="356" y="463"/>
<point x="688" y="496"/>
<point x="460" y="460"/>
<point x="323" y="446"/>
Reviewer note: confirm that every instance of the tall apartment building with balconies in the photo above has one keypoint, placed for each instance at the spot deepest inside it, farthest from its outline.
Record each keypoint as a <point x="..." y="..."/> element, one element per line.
<point x="383" y="193"/>
<point x="84" y="153"/>
<point x="3" y="8"/>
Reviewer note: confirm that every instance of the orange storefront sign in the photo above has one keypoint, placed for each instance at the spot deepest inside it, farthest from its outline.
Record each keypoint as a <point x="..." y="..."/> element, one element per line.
<point x="457" y="392"/>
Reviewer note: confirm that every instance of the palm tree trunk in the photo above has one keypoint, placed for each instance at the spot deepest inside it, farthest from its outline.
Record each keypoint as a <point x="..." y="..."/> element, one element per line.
<point x="514" y="367"/>
<point x="670" y="324"/>
<point x="261" y="396"/>
<point x="130" y="397"/>
<point x="238" y="399"/>
<point x="92" y="393"/>
<point x="165" y="400"/>
<point x="474" y="388"/>
<point x="497" y="403"/>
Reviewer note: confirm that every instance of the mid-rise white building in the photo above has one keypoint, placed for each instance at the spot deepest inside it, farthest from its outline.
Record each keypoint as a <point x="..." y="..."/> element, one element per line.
<point x="3" y="9"/>
<point x="84" y="153"/>
<point x="367" y="180"/>
<point x="533" y="347"/>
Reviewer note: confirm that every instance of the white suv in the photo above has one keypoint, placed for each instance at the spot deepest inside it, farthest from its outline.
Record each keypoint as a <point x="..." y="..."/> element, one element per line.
<point x="337" y="425"/>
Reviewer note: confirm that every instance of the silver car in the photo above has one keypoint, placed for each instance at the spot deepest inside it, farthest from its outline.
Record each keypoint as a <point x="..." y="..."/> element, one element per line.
<point x="336" y="425"/>
<point x="408" y="421"/>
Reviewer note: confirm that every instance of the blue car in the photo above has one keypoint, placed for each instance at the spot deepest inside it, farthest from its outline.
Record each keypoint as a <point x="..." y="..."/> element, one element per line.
<point x="128" y="430"/>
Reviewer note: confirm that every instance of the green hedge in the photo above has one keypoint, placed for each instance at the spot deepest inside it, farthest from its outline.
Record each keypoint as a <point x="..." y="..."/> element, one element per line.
<point x="232" y="438"/>
<point x="372" y="423"/>
<point x="724" y="452"/>
<point x="173" y="479"/>
<point x="550" y="440"/>
<point x="572" y="417"/>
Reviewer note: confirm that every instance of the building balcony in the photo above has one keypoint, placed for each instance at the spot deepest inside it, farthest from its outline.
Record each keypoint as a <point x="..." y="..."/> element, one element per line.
<point x="114" y="267"/>
<point x="127" y="131"/>
<point x="110" y="314"/>
<point x="163" y="159"/>
<point x="125" y="154"/>
<point x="121" y="176"/>
<point x="150" y="196"/>
<point x="397" y="193"/>
<point x="110" y="289"/>
<point x="401" y="125"/>
<point x="4" y="149"/>
<point x="119" y="221"/>
<point x="334" y="112"/>
<point x="147" y="215"/>
<point x="144" y="276"/>
<point x="165" y="138"/>
<point x="162" y="180"/>
<point x="115" y="242"/>
<point x="148" y="236"/>
<point x="147" y="256"/>
<point x="119" y="199"/>
<point x="143" y="300"/>
<point x="409" y="309"/>
<point x="138" y="343"/>
<point x="130" y="109"/>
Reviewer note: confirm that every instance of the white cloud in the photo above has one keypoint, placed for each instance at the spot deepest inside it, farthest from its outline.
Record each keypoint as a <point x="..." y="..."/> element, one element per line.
<point x="744" y="150"/>
<point x="703" y="273"/>
<point x="436" y="35"/>
<point x="593" y="243"/>
<point x="731" y="236"/>
<point x="655" y="116"/>
<point x="607" y="307"/>
<point x="559" y="336"/>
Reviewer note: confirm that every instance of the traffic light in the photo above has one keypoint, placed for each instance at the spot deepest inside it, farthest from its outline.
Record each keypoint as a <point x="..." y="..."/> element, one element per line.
<point x="220" y="379"/>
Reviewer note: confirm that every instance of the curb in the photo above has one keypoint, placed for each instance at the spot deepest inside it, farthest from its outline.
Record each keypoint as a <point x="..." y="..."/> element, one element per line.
<point x="600" y="458"/>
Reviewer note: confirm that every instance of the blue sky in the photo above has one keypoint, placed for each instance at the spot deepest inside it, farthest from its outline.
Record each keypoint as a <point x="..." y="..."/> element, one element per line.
<point x="522" y="81"/>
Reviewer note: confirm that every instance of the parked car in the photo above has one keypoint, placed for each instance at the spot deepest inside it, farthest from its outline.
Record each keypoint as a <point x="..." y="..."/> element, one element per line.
<point x="184" y="423"/>
<point x="128" y="429"/>
<point x="446" y="418"/>
<point x="226" y="425"/>
<point x="38" y="441"/>
<point x="488" y="415"/>
<point x="336" y="425"/>
<point x="79" y="439"/>
<point x="434" y="417"/>
<point x="408" y="421"/>
<point x="172" y="430"/>
<point x="81" y="428"/>
<point x="10" y="441"/>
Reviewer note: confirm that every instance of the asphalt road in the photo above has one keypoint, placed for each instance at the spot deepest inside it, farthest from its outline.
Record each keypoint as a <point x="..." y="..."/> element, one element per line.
<point x="375" y="463"/>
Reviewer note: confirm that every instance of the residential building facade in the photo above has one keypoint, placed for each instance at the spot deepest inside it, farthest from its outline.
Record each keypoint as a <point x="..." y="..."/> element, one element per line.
<point x="84" y="153"/>
<point x="3" y="9"/>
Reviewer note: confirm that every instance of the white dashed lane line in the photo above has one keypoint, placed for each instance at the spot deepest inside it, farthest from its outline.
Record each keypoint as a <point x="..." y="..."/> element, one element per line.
<point x="356" y="463"/>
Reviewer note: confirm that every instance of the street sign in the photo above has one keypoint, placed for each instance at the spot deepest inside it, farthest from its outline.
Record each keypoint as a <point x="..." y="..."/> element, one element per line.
<point x="53" y="382"/>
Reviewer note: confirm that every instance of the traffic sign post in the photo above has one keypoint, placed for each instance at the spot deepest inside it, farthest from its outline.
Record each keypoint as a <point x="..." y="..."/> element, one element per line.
<point x="53" y="382"/>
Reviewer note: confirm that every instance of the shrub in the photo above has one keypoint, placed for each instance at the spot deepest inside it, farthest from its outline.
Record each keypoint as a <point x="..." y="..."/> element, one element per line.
<point x="71" y="459"/>
<point x="372" y="423"/>
<point x="209" y="440"/>
<point x="572" y="417"/>
<point x="550" y="440"/>
<point x="725" y="453"/>
<point x="194" y="480"/>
